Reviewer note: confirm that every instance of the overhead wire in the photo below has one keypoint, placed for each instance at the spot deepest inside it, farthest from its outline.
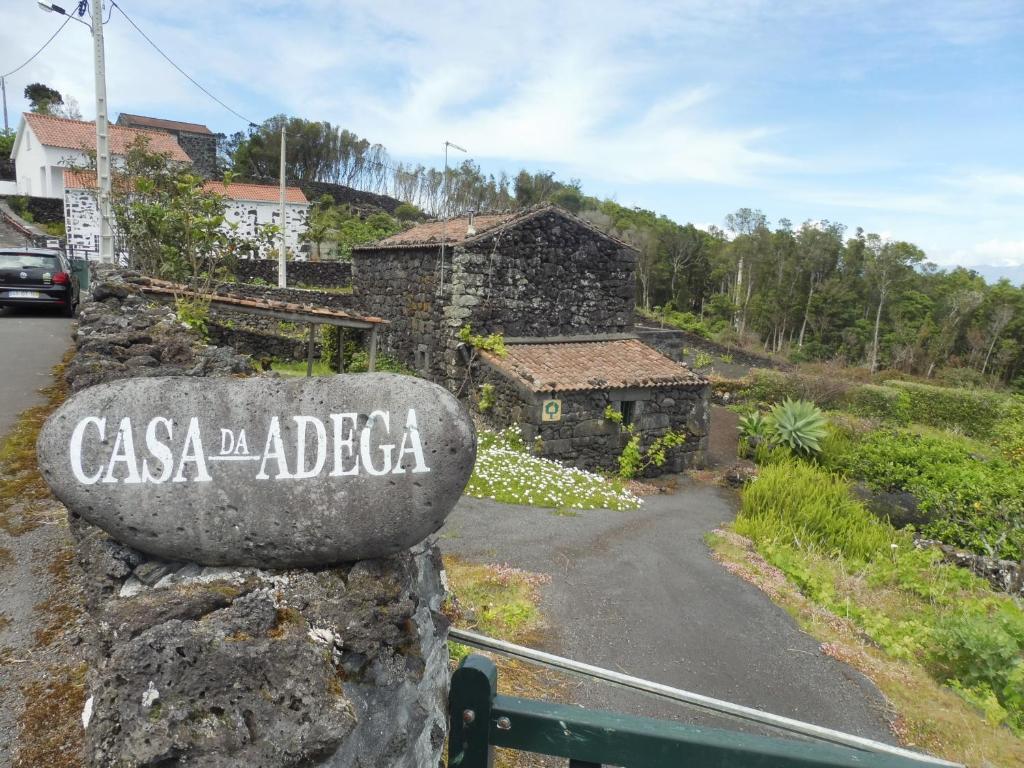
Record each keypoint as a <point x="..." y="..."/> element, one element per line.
<point x="182" y="71"/>
<point x="41" y="49"/>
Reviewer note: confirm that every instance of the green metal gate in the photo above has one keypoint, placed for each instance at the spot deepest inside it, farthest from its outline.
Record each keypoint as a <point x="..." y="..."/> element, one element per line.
<point x="481" y="719"/>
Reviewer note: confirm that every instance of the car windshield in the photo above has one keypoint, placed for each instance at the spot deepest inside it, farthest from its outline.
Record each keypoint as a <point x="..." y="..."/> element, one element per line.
<point x="29" y="260"/>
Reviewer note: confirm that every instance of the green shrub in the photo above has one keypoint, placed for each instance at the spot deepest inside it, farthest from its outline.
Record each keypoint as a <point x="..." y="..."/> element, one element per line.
<point x="798" y="504"/>
<point x="702" y="360"/>
<point x="684" y="321"/>
<point x="970" y="411"/>
<point x="976" y="504"/>
<point x="874" y="401"/>
<point x="754" y="424"/>
<point x="1009" y="431"/>
<point x="634" y="460"/>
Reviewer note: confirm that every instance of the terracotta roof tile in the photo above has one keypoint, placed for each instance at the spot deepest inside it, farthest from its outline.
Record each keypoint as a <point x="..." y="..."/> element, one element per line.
<point x="580" y="366"/>
<point x="235" y="191"/>
<point x="261" y="193"/>
<point x="454" y="231"/>
<point x="141" y="121"/>
<point x="76" y="134"/>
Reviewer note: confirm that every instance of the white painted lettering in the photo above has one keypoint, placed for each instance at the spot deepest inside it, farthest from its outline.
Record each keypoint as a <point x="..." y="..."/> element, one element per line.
<point x="227" y="441"/>
<point x="241" y="447"/>
<point x="301" y="422"/>
<point x="344" y="445"/>
<point x="160" y="452"/>
<point x="75" y="449"/>
<point x="274" y="441"/>
<point x="412" y="434"/>
<point x="364" y="443"/>
<point x="192" y="453"/>
<point x="123" y="453"/>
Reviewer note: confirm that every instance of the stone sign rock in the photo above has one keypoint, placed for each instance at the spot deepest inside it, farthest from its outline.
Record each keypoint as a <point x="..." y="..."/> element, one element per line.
<point x="265" y="472"/>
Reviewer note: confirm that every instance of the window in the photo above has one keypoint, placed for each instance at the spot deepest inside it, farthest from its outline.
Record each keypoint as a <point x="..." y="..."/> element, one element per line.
<point x="628" y="410"/>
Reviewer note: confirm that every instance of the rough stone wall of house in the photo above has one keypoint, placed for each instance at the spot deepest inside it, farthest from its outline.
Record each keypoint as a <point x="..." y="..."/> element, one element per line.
<point x="250" y="216"/>
<point x="546" y="276"/>
<point x="233" y="674"/>
<point x="584" y="438"/>
<point x="201" y="149"/>
<point x="328" y="274"/>
<point x="82" y="223"/>
<point x="401" y="286"/>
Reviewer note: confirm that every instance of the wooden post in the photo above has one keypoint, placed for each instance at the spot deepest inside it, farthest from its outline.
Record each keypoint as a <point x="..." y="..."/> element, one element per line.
<point x="310" y="349"/>
<point x="372" y="364"/>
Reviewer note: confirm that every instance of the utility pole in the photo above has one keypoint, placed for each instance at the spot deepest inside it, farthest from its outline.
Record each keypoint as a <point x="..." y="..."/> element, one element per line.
<point x="3" y="87"/>
<point x="444" y="211"/>
<point x="281" y="279"/>
<point x="102" y="136"/>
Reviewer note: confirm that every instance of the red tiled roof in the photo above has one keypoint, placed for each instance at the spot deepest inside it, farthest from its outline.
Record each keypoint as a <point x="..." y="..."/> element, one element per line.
<point x="244" y="192"/>
<point x="76" y="134"/>
<point x="261" y="193"/>
<point x="141" y="121"/>
<point x="579" y="366"/>
<point x="454" y="231"/>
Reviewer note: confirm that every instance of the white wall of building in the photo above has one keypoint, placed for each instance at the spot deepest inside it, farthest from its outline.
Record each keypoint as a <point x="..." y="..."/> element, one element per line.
<point x="82" y="222"/>
<point x="40" y="169"/>
<point x="251" y="215"/>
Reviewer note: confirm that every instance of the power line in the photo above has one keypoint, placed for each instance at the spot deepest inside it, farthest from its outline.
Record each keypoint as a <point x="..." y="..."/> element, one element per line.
<point x="29" y="60"/>
<point x="183" y="72"/>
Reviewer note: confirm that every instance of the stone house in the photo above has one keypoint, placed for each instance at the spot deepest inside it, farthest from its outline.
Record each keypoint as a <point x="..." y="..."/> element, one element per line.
<point x="561" y="293"/>
<point x="249" y="206"/>
<point x="198" y="141"/>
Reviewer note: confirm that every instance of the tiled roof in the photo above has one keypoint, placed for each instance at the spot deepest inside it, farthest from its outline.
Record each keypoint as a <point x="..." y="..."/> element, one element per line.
<point x="141" y="121"/>
<point x="454" y="231"/>
<point x="579" y="366"/>
<point x="457" y="230"/>
<point x="260" y="193"/>
<point x="76" y="134"/>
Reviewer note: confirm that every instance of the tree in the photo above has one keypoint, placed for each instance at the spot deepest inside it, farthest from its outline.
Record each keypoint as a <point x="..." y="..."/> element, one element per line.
<point x="42" y="99"/>
<point x="888" y="265"/>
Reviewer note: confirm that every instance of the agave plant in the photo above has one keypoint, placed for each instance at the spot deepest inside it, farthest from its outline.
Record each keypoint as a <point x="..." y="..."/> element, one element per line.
<point x="798" y="424"/>
<point x="754" y="425"/>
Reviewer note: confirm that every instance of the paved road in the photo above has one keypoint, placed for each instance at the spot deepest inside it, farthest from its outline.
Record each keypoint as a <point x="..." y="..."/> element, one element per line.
<point x="31" y="343"/>
<point x="637" y="592"/>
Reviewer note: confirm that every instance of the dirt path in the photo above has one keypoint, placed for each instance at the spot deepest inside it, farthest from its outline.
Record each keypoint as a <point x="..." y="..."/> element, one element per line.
<point x="638" y="592"/>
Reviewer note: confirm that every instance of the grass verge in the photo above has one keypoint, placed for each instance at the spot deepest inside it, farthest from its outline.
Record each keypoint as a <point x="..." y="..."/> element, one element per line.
<point x="23" y="492"/>
<point x="505" y="471"/>
<point x="501" y="601"/>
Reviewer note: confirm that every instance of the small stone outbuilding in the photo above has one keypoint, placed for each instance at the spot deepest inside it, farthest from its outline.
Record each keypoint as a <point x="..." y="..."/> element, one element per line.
<point x="562" y="392"/>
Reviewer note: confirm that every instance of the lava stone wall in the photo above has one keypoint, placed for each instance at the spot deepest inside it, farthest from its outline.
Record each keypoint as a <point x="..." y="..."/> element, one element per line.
<point x="400" y="285"/>
<point x="201" y="149"/>
<point x="240" y="667"/>
<point x="548" y="275"/>
<point x="584" y="438"/>
<point x="307" y="297"/>
<point x="329" y="274"/>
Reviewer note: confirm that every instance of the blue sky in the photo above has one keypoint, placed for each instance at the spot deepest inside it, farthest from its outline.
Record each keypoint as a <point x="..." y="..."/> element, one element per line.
<point x="904" y="118"/>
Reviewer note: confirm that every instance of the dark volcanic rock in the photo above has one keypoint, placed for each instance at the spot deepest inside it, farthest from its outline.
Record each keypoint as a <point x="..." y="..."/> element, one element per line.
<point x="265" y="472"/>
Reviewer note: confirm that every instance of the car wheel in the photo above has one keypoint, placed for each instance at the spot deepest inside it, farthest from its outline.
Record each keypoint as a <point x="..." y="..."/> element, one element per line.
<point x="70" y="310"/>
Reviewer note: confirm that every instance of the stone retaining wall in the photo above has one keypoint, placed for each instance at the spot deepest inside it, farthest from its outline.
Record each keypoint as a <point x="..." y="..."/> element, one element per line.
<point x="671" y="341"/>
<point x="329" y="274"/>
<point x="219" y="667"/>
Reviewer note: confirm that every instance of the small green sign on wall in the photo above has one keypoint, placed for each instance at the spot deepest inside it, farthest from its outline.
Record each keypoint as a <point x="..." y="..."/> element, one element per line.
<point x="551" y="410"/>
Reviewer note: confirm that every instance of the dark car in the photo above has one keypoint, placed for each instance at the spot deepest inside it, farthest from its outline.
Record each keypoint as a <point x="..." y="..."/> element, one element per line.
<point x="37" y="277"/>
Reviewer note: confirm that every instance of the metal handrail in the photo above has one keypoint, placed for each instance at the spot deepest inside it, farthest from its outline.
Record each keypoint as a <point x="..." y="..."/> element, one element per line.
<point x="697" y="700"/>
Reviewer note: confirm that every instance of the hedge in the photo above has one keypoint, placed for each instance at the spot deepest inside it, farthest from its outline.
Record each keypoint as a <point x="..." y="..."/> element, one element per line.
<point x="874" y="401"/>
<point x="972" y="412"/>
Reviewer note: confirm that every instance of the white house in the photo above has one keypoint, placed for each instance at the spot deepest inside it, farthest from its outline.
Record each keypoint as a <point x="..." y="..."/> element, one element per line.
<point x="46" y="145"/>
<point x="249" y="206"/>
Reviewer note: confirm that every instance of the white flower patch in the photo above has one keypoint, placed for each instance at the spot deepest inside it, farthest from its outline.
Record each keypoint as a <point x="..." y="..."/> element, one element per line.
<point x="506" y="472"/>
